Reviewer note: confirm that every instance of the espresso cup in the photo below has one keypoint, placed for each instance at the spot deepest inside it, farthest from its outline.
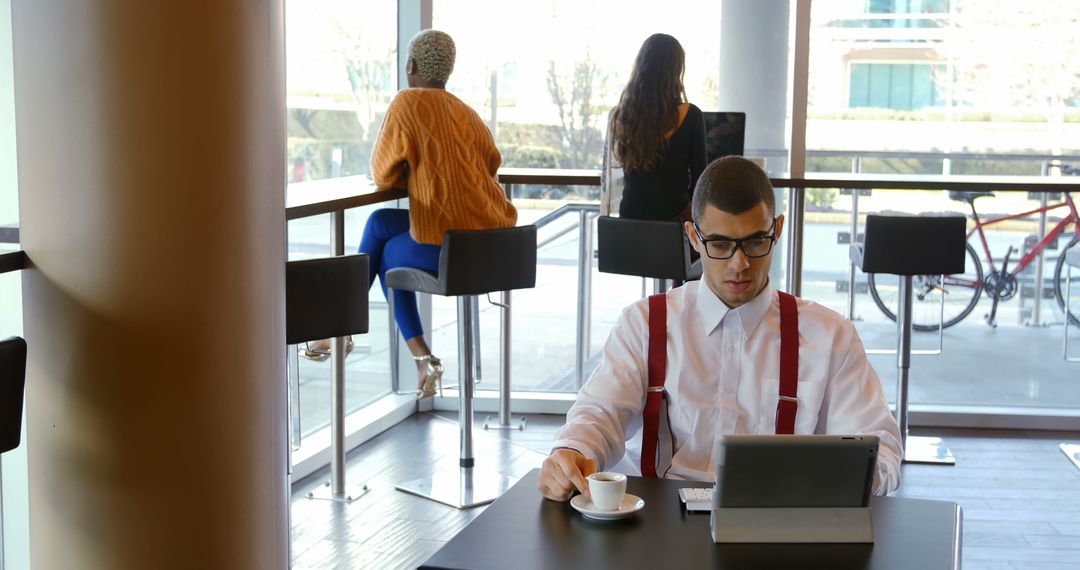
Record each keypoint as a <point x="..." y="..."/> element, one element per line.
<point x="607" y="490"/>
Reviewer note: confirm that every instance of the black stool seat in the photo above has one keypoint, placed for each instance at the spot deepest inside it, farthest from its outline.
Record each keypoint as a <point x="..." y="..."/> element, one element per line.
<point x="968" y="197"/>
<point x="912" y="245"/>
<point x="644" y="248"/>
<point x="326" y="297"/>
<point x="12" y="385"/>
<point x="474" y="262"/>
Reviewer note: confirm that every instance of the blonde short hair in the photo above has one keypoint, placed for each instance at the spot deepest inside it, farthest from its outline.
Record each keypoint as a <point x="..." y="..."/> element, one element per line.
<point x="434" y="53"/>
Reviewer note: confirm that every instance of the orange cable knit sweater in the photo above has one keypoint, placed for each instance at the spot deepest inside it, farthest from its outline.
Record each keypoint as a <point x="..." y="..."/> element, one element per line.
<point x="436" y="146"/>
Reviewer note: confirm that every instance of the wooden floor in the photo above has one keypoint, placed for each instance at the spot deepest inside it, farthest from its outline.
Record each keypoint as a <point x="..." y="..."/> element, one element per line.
<point x="1019" y="493"/>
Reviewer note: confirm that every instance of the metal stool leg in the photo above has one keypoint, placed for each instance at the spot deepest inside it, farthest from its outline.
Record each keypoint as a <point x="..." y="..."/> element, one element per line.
<point x="466" y="366"/>
<point x="1071" y="450"/>
<point x="464" y="487"/>
<point x="916" y="449"/>
<point x="395" y="344"/>
<point x="336" y="489"/>
<point x="477" y="368"/>
<point x="505" y="421"/>
<point x="1068" y="305"/>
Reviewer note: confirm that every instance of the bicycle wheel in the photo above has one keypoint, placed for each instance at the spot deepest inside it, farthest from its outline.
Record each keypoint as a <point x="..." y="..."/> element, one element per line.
<point x="1073" y="311"/>
<point x="962" y="292"/>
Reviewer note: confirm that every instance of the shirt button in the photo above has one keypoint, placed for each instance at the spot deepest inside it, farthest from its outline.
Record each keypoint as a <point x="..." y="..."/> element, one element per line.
<point x="730" y="348"/>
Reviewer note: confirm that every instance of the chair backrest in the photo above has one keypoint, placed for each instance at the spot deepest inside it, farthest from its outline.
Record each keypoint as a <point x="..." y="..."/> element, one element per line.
<point x="474" y="262"/>
<point x="326" y="297"/>
<point x="645" y="248"/>
<point x="12" y="385"/>
<point x="914" y="245"/>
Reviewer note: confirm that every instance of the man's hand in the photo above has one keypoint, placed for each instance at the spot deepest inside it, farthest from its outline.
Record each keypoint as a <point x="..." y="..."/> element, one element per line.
<point x="563" y="472"/>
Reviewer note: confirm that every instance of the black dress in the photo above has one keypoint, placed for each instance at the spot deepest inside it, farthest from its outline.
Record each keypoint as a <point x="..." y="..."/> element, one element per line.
<point x="664" y="193"/>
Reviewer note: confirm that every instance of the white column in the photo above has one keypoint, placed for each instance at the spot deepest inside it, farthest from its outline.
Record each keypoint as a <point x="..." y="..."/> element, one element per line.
<point x="754" y="73"/>
<point x="151" y="151"/>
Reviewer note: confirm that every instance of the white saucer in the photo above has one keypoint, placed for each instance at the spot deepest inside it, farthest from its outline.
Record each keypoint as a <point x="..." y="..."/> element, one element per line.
<point x="630" y="505"/>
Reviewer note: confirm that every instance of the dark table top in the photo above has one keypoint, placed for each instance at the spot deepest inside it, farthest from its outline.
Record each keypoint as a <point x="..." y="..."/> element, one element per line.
<point x="522" y="530"/>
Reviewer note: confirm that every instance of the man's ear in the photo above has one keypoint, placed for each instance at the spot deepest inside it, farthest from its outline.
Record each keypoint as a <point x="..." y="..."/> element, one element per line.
<point x="691" y="234"/>
<point x="779" y="226"/>
<point x="410" y="66"/>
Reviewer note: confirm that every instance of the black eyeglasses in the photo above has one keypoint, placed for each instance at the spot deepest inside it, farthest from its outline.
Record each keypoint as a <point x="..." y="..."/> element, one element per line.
<point x="752" y="247"/>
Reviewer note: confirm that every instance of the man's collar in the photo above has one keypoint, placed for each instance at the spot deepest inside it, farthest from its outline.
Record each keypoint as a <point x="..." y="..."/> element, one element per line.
<point x="713" y="311"/>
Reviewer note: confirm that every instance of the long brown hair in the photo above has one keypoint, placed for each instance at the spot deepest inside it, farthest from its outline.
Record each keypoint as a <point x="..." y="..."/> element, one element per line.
<point x="649" y="105"/>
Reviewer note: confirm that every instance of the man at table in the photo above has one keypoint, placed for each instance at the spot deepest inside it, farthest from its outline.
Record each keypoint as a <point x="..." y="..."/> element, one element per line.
<point x="718" y="368"/>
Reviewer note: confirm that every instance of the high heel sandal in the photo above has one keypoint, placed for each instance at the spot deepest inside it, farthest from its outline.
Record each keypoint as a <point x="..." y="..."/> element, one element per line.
<point x="321" y="354"/>
<point x="431" y="376"/>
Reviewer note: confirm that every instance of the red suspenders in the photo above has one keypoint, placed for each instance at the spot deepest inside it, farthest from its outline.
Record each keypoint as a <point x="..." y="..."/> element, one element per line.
<point x="655" y="397"/>
<point x="789" y="364"/>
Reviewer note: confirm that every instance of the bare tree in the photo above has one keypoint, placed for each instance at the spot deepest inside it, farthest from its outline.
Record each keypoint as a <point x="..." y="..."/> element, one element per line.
<point x="579" y="117"/>
<point x="303" y="117"/>
<point x="1010" y="54"/>
<point x="368" y="69"/>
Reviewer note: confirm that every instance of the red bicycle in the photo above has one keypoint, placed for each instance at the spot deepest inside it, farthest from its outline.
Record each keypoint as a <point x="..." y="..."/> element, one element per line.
<point x="960" y="293"/>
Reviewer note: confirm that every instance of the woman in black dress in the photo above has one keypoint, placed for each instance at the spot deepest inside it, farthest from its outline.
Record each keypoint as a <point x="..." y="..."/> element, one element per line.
<point x="656" y="135"/>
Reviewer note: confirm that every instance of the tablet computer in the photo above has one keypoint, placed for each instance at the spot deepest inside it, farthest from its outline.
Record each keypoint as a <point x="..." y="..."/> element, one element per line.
<point x="794" y="470"/>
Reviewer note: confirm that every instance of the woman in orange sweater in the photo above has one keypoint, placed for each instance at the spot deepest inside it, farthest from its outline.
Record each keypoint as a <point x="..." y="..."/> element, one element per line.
<point x="436" y="146"/>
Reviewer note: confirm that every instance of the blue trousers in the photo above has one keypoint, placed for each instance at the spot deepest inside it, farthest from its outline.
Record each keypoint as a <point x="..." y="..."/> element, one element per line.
<point x="388" y="245"/>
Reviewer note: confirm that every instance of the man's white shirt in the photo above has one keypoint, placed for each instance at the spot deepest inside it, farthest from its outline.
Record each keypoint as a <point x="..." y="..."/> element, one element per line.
<point x="723" y="375"/>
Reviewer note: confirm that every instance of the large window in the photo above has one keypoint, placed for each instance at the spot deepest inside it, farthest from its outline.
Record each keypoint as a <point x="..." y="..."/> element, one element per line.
<point x="341" y="70"/>
<point x="14" y="490"/>
<point x="903" y="86"/>
<point x="949" y="98"/>
<point x="544" y="75"/>
<point x="341" y="73"/>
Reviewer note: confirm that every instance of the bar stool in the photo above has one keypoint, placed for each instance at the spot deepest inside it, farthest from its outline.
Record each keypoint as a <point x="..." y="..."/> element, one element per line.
<point x="12" y="390"/>
<point x="1072" y="259"/>
<point x="645" y="248"/>
<point x="327" y="298"/>
<point x="471" y="263"/>
<point x="909" y="246"/>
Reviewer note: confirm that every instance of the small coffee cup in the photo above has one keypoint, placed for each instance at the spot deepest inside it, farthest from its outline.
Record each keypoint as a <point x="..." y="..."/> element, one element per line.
<point x="607" y="490"/>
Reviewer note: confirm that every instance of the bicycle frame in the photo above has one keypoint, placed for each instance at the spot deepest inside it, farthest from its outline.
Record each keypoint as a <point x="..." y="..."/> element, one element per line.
<point x="1072" y="218"/>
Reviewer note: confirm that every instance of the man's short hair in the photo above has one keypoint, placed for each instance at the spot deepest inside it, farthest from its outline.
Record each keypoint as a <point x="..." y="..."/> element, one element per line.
<point x="734" y="185"/>
<point x="434" y="53"/>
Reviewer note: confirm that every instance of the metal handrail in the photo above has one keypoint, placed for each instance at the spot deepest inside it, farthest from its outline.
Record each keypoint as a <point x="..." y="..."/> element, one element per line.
<point x="558" y="213"/>
<point x="563" y="210"/>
